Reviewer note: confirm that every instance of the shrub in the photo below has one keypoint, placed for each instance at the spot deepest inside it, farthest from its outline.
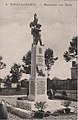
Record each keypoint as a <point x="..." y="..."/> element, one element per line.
<point x="66" y="104"/>
<point x="39" y="114"/>
<point x="47" y="114"/>
<point x="40" y="106"/>
<point x="25" y="83"/>
<point x="18" y="88"/>
<point x="64" y="93"/>
<point x="58" y="112"/>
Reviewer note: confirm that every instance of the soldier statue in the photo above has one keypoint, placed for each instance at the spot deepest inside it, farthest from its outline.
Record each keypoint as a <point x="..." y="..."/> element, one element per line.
<point x="35" y="30"/>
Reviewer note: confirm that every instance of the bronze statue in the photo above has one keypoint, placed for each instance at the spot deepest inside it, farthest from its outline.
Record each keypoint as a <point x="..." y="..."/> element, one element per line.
<point x="35" y="30"/>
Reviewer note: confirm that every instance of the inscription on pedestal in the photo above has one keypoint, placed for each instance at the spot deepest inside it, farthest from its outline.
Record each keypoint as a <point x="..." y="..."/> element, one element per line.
<point x="40" y="62"/>
<point x="40" y="50"/>
<point x="40" y="59"/>
<point x="41" y="87"/>
<point x="32" y="87"/>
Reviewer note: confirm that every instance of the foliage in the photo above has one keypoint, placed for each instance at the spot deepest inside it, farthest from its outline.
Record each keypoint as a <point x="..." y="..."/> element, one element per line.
<point x="8" y="81"/>
<point x="49" y="60"/>
<point x="27" y="63"/>
<point x="47" y="114"/>
<point x="72" y="50"/>
<point x="2" y="65"/>
<point x="67" y="103"/>
<point x="40" y="105"/>
<point x="18" y="88"/>
<point x="25" y="83"/>
<point x="64" y="93"/>
<point x="16" y="72"/>
<point x="63" y="111"/>
<point x="58" y="112"/>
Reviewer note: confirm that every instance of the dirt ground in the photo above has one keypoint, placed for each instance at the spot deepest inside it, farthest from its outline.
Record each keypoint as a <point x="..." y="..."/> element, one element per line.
<point x="12" y="100"/>
<point x="65" y="117"/>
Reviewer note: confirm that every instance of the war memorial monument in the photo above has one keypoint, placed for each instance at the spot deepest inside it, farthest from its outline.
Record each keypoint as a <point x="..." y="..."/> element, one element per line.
<point x="38" y="79"/>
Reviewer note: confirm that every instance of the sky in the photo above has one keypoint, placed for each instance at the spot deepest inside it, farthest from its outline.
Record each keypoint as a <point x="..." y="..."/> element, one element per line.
<point x="58" y="19"/>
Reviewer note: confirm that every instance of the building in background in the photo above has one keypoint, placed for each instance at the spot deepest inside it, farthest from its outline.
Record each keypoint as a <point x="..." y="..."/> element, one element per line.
<point x="74" y="70"/>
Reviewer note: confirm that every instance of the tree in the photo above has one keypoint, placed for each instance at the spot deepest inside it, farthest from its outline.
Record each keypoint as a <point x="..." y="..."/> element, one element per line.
<point x="49" y="60"/>
<point x="8" y="81"/>
<point x="16" y="72"/>
<point x="2" y="65"/>
<point x="72" y="50"/>
<point x="27" y="63"/>
<point x="71" y="54"/>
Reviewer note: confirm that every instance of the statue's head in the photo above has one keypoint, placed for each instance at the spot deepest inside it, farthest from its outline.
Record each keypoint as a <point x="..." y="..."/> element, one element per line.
<point x="35" y="18"/>
<point x="35" y="15"/>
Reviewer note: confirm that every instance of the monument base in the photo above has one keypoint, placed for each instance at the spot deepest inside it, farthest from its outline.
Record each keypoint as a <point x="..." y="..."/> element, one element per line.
<point x="26" y="109"/>
<point x="26" y="104"/>
<point x="37" y="89"/>
<point x="52" y="105"/>
<point x="38" y="98"/>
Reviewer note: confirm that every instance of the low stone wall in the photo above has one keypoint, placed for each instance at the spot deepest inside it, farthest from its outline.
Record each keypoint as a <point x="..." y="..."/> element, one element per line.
<point x="26" y="104"/>
<point x="19" y="112"/>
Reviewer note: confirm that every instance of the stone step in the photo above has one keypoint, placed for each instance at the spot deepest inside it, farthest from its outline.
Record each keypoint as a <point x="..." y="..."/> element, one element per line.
<point x="20" y="112"/>
<point x="26" y="104"/>
<point x="52" y="105"/>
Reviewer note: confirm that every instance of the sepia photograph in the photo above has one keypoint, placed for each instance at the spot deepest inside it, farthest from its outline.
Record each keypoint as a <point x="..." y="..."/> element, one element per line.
<point x="38" y="59"/>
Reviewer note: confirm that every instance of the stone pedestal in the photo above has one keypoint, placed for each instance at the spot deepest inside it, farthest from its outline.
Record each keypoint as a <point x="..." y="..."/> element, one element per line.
<point x="38" y="80"/>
